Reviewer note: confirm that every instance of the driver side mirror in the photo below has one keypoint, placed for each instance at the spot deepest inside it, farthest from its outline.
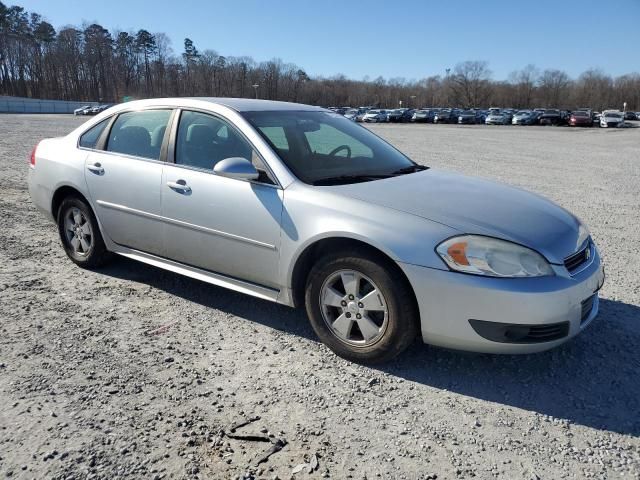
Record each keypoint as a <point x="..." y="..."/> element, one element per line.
<point x="236" y="167"/>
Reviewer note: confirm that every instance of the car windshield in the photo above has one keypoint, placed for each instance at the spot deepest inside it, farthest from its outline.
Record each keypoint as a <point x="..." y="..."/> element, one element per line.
<point x="373" y="112"/>
<point x="614" y="114"/>
<point x="320" y="146"/>
<point x="580" y="114"/>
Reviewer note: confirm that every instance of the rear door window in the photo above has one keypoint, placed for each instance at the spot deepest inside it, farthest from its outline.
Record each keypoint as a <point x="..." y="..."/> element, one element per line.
<point x="139" y="133"/>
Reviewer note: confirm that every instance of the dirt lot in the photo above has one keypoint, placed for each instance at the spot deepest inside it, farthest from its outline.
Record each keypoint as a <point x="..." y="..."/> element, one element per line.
<point x="93" y="386"/>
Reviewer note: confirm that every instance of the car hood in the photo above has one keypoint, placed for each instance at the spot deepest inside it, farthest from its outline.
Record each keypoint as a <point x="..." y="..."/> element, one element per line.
<point x="477" y="206"/>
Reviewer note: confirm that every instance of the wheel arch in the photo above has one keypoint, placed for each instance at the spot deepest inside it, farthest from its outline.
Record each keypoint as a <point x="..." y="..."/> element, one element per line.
<point x="317" y="249"/>
<point x="63" y="192"/>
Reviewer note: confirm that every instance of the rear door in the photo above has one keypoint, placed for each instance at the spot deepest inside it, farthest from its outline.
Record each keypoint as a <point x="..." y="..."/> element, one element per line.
<point x="124" y="175"/>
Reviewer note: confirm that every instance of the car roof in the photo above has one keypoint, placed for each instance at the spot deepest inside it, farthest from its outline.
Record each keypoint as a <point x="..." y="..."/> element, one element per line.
<point x="237" y="104"/>
<point x="251" y="105"/>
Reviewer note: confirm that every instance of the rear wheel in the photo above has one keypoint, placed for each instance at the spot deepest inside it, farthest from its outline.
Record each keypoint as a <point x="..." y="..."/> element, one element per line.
<point x="80" y="234"/>
<point x="361" y="307"/>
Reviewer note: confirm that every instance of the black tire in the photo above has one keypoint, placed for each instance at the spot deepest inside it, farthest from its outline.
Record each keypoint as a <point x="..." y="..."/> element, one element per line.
<point x="402" y="325"/>
<point x="97" y="254"/>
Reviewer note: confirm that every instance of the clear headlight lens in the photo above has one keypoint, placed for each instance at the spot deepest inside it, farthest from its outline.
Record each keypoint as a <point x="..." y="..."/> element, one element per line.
<point x="492" y="257"/>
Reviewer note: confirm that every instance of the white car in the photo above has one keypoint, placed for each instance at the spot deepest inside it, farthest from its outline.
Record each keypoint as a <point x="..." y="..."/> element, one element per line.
<point x="375" y="116"/>
<point x="82" y="110"/>
<point x="611" y="118"/>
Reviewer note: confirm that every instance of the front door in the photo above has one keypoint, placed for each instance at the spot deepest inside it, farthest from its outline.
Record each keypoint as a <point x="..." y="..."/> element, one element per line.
<point x="220" y="224"/>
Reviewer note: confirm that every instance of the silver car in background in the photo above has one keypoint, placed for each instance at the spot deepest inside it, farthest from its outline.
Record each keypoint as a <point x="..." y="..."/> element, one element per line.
<point x="375" y="116"/>
<point x="498" y="118"/>
<point x="611" y="118"/>
<point x="298" y="205"/>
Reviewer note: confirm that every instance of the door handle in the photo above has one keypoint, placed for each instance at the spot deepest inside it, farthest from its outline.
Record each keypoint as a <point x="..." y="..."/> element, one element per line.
<point x="179" y="186"/>
<point x="96" y="168"/>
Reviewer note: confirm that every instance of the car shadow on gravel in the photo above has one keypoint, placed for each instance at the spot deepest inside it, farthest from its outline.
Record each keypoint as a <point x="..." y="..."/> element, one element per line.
<point x="270" y="314"/>
<point x="591" y="380"/>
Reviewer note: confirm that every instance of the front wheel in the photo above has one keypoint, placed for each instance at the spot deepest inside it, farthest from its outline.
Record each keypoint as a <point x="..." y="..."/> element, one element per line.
<point x="80" y="234"/>
<point x="361" y="307"/>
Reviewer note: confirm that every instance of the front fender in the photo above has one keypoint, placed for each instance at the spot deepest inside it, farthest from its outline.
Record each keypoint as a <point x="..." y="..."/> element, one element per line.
<point x="311" y="215"/>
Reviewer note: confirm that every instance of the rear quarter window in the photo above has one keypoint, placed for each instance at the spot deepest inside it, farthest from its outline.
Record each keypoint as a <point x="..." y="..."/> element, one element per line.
<point x="89" y="139"/>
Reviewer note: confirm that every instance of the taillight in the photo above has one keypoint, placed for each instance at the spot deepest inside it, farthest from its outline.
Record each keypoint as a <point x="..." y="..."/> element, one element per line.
<point x="32" y="160"/>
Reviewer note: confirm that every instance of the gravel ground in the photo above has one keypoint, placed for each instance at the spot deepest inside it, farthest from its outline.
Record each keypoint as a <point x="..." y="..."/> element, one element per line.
<point x="134" y="372"/>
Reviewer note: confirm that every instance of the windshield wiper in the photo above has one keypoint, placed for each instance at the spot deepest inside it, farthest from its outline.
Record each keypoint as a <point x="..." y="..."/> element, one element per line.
<point x="365" y="177"/>
<point x="410" y="169"/>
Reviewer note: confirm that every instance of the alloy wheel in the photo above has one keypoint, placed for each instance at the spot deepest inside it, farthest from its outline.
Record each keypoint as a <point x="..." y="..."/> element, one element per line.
<point x="354" y="308"/>
<point x="78" y="231"/>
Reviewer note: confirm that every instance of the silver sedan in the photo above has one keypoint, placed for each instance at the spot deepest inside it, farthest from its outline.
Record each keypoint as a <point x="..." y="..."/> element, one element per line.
<point x="298" y="205"/>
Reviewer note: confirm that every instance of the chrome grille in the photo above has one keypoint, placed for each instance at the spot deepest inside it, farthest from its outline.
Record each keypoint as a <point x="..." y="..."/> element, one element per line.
<point x="575" y="261"/>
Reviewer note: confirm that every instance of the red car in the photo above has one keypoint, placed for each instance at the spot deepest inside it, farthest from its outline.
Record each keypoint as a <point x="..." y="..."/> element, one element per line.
<point x="580" y="119"/>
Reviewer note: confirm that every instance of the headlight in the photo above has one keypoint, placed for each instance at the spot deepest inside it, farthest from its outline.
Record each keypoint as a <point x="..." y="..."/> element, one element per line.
<point x="492" y="257"/>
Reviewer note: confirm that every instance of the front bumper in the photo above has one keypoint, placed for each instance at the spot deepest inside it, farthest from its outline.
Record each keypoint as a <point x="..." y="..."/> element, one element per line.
<point x="449" y="300"/>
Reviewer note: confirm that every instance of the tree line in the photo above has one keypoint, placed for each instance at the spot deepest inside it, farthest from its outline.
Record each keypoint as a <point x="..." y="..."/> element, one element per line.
<point x="93" y="64"/>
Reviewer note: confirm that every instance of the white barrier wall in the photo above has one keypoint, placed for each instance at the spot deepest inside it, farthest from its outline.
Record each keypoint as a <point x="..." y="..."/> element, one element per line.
<point x="34" y="105"/>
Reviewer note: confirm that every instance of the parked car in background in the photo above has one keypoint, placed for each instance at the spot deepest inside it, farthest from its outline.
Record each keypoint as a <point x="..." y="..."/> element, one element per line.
<point x="637" y="115"/>
<point x="611" y="118"/>
<point x="580" y="119"/>
<point x="425" y="115"/>
<point x="407" y="115"/>
<point x="630" y="116"/>
<point x="377" y="248"/>
<point x="445" y="116"/>
<point x="82" y="110"/>
<point x="353" y="114"/>
<point x="97" y="109"/>
<point x="375" y="116"/>
<point x="481" y="116"/>
<point x="525" y="117"/>
<point x="467" y="117"/>
<point x="363" y="112"/>
<point x="550" y="117"/>
<point x="498" y="118"/>
<point x="399" y="115"/>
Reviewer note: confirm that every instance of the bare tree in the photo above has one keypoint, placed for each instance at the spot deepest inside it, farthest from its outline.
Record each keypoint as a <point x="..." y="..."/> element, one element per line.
<point x="470" y="83"/>
<point x="524" y="83"/>
<point x="91" y="63"/>
<point x="554" y="86"/>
